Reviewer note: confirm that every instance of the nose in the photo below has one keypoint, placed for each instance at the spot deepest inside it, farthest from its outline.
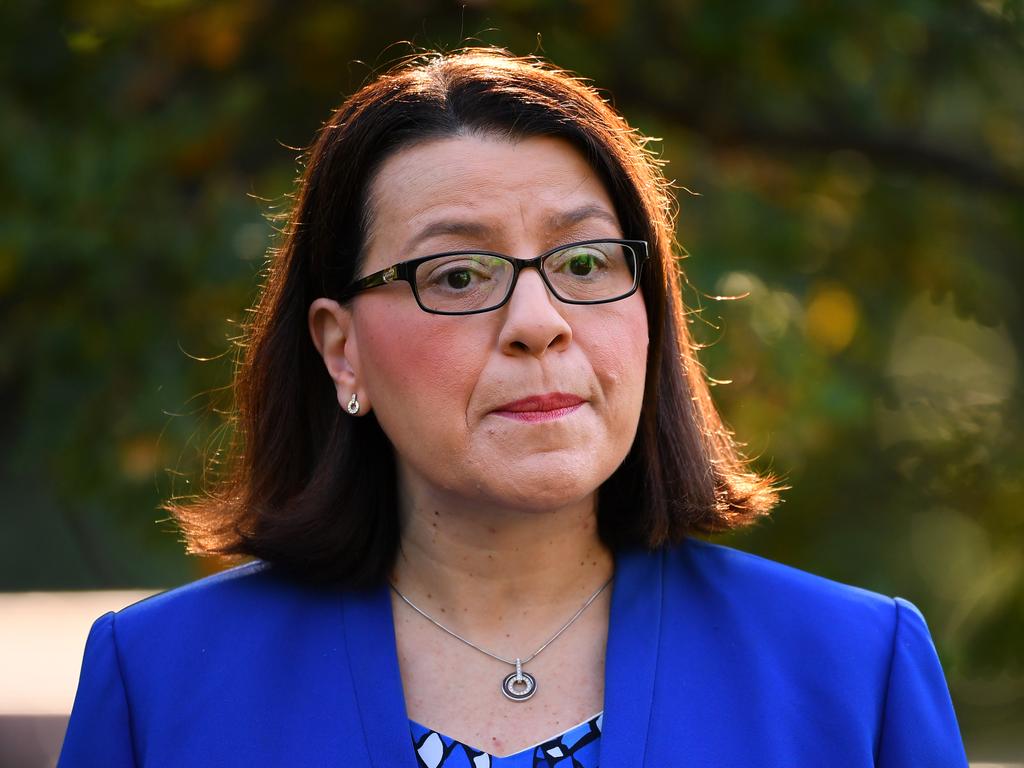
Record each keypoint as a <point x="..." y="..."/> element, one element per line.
<point x="534" y="323"/>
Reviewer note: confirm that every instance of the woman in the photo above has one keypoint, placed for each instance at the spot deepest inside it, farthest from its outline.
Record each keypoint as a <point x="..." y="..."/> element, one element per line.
<point x="476" y="439"/>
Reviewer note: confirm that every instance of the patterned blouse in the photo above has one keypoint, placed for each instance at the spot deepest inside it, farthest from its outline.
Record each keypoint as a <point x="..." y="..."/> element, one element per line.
<point x="574" y="748"/>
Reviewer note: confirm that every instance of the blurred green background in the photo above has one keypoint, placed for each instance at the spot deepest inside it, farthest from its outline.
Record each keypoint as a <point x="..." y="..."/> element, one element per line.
<point x="857" y="172"/>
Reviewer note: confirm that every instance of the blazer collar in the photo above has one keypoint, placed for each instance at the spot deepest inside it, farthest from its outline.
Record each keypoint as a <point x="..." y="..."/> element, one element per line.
<point x="376" y="679"/>
<point x="631" y="661"/>
<point x="630" y="667"/>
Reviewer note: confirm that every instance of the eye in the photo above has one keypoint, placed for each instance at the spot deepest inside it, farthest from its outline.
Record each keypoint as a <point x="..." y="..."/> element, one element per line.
<point x="462" y="282"/>
<point x="458" y="279"/>
<point x="579" y="261"/>
<point x="458" y="273"/>
<point x="582" y="264"/>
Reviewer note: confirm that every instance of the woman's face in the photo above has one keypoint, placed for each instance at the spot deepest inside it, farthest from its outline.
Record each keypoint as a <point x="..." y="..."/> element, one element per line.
<point x="448" y="390"/>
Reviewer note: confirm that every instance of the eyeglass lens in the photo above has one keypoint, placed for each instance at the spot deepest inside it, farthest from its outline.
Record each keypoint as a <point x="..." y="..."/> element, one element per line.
<point x="468" y="282"/>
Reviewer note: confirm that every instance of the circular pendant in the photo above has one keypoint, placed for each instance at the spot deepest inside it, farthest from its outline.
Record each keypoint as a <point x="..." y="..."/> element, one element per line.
<point x="519" y="686"/>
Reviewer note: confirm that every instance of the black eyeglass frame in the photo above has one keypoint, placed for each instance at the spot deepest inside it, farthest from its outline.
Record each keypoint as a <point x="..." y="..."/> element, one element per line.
<point x="406" y="271"/>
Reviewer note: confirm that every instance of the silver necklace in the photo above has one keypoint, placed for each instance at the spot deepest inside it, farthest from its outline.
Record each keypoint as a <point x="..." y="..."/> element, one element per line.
<point x="518" y="685"/>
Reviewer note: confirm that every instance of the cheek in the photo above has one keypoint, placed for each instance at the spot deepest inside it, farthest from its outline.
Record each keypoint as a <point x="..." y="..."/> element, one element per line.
<point x="618" y="354"/>
<point x="401" y="353"/>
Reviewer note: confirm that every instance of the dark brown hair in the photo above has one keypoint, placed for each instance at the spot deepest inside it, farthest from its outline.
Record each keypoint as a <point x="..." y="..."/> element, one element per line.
<point x="313" y="490"/>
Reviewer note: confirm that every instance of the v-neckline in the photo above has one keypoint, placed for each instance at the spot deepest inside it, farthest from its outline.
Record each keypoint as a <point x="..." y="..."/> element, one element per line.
<point x="519" y="752"/>
<point x="631" y="662"/>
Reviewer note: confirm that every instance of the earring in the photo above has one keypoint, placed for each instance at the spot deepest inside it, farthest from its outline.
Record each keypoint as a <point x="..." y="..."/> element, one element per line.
<point x="353" y="405"/>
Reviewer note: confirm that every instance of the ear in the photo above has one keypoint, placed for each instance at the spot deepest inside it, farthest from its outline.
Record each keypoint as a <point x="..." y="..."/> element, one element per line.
<point x="331" y="328"/>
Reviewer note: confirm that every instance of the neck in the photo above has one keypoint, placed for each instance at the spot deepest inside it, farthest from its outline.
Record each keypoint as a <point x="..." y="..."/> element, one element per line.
<point x="482" y="570"/>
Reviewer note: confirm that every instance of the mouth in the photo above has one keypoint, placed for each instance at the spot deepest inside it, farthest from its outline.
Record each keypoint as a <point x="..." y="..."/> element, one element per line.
<point x="547" y="407"/>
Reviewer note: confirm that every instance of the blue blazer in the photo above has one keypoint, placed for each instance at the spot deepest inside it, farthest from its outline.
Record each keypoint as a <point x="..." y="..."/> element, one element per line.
<point x="715" y="658"/>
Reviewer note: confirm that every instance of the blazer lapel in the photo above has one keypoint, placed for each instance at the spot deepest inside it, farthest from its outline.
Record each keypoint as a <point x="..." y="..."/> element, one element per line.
<point x="631" y="662"/>
<point x="377" y="682"/>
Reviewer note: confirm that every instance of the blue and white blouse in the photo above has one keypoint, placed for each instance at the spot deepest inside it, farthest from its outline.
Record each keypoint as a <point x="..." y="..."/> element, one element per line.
<point x="575" y="748"/>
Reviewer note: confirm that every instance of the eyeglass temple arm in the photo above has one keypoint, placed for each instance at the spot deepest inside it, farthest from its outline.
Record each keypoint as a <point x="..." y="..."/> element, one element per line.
<point x="385" y="276"/>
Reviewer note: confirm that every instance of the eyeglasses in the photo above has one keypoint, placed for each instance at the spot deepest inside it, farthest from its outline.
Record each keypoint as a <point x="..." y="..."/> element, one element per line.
<point x="467" y="282"/>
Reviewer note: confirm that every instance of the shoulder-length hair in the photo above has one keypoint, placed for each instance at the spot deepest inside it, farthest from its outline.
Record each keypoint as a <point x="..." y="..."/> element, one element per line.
<point x="313" y="490"/>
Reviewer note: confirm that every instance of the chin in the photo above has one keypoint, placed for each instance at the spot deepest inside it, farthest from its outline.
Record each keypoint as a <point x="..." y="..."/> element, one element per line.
<point x="545" y="493"/>
<point x="540" y="503"/>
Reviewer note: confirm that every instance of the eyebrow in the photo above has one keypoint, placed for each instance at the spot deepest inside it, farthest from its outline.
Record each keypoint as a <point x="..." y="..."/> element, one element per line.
<point x="567" y="219"/>
<point x="554" y="222"/>
<point x="439" y="228"/>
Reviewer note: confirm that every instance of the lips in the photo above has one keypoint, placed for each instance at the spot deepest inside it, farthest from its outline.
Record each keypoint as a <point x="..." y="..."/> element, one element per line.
<point x="550" y="402"/>
<point x="540" y="407"/>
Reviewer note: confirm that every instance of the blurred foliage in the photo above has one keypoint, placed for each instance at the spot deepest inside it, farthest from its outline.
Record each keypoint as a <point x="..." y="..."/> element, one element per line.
<point x="858" y="179"/>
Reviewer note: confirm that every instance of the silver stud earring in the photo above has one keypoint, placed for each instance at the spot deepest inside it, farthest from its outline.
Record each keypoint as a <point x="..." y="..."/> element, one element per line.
<point x="353" y="405"/>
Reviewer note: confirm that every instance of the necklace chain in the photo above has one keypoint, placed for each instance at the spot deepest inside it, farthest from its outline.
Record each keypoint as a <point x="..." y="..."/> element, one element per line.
<point x="514" y="662"/>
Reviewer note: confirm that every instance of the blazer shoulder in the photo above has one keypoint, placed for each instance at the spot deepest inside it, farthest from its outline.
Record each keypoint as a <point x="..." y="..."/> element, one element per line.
<point x="245" y="667"/>
<point x="243" y="597"/>
<point x="754" y="574"/>
<point x="214" y="588"/>
<point x="782" y="600"/>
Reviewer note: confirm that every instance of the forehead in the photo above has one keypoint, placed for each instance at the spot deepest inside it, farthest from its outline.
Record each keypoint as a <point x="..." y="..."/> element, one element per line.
<point x="472" y="187"/>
